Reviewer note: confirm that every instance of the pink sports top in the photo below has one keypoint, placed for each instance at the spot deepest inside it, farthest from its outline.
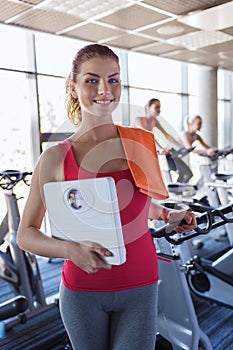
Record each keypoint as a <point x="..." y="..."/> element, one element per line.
<point x="141" y="266"/>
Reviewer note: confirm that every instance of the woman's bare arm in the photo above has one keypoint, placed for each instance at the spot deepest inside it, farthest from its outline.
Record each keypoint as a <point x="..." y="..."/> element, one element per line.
<point x="206" y="148"/>
<point x="158" y="212"/>
<point x="30" y="238"/>
<point x="138" y="123"/>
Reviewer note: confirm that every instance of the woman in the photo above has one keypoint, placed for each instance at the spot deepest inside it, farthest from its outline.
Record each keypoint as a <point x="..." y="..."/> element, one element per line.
<point x="150" y="122"/>
<point x="191" y="136"/>
<point x="152" y="108"/>
<point x="103" y="307"/>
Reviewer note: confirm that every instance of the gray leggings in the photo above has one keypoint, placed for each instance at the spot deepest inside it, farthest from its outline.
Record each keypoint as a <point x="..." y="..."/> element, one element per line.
<point x="121" y="320"/>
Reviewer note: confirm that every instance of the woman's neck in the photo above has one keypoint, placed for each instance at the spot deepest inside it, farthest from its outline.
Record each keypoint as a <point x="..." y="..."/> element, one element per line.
<point x="191" y="132"/>
<point x="88" y="132"/>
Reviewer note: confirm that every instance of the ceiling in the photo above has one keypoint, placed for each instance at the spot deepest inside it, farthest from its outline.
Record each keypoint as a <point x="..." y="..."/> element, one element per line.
<point x="194" y="31"/>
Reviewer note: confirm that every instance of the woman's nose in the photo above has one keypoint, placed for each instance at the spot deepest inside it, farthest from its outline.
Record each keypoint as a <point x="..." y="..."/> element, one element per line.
<point x="103" y="88"/>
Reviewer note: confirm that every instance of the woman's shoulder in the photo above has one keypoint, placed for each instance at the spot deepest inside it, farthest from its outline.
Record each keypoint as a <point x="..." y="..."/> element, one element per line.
<point x="185" y="134"/>
<point x="49" y="166"/>
<point x="198" y="137"/>
<point x="51" y="152"/>
<point x="51" y="160"/>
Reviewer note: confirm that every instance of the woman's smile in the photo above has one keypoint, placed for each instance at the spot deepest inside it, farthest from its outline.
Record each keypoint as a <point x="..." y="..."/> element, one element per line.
<point x="103" y="101"/>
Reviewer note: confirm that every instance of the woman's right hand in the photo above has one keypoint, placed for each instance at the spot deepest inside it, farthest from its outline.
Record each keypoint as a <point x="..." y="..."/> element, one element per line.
<point x="89" y="256"/>
<point x="212" y="151"/>
<point x="164" y="151"/>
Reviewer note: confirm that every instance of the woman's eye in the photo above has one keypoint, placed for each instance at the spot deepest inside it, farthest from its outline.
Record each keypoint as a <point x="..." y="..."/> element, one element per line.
<point x="113" y="81"/>
<point x="91" y="81"/>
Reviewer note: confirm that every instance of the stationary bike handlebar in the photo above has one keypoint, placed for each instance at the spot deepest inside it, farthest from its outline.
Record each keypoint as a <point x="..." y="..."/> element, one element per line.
<point x="206" y="218"/>
<point x="9" y="178"/>
<point x="218" y="153"/>
<point x="181" y="152"/>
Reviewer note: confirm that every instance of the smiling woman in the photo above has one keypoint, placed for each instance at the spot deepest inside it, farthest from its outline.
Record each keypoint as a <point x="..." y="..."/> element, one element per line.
<point x="102" y="89"/>
<point x="94" y="85"/>
<point x="101" y="305"/>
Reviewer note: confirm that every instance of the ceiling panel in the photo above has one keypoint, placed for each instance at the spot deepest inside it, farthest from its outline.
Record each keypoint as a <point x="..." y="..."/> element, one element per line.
<point x="226" y="46"/>
<point x="215" y="18"/>
<point x="43" y="20"/>
<point x="180" y="7"/>
<point x="128" y="41"/>
<point x="87" y="9"/>
<point x="182" y="54"/>
<point x="33" y="2"/>
<point x="215" y="60"/>
<point x="228" y="31"/>
<point x="11" y="9"/>
<point x="199" y="39"/>
<point x="228" y="55"/>
<point x="172" y="28"/>
<point x="93" y="32"/>
<point x="157" y="49"/>
<point x="168" y="30"/>
<point x="133" y="17"/>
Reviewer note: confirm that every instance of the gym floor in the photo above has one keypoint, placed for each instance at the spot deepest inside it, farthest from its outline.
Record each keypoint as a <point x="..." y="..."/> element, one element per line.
<point x="45" y="331"/>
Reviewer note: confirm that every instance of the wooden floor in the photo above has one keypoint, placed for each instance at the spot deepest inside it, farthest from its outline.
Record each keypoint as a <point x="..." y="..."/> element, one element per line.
<point x="45" y="331"/>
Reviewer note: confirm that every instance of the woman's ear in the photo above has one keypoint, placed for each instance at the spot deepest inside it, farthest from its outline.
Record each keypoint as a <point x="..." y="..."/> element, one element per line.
<point x="73" y="90"/>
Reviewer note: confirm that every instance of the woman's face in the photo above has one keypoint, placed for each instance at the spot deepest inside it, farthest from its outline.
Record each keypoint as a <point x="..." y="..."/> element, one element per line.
<point x="196" y="124"/>
<point x="98" y="86"/>
<point x="155" y="109"/>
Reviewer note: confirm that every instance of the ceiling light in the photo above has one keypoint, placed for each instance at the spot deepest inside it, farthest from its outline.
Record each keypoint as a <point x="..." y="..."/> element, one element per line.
<point x="170" y="30"/>
<point x="214" y="18"/>
<point x="86" y="9"/>
<point x="199" y="39"/>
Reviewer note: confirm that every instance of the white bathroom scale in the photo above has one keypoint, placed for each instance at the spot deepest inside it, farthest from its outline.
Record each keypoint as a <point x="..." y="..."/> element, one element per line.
<point x="86" y="210"/>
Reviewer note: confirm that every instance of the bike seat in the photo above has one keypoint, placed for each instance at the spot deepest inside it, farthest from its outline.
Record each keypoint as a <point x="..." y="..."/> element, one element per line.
<point x="179" y="188"/>
<point x="223" y="177"/>
<point x="13" y="307"/>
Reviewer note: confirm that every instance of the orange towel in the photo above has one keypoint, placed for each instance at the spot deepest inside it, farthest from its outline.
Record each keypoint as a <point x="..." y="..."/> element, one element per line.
<point x="140" y="150"/>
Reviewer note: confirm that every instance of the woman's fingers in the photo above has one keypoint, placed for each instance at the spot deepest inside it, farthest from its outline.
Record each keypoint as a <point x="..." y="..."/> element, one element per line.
<point x="89" y="256"/>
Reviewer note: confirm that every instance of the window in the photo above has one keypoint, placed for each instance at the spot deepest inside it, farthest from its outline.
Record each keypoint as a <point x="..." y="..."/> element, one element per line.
<point x="15" y="141"/>
<point x="154" y="73"/>
<point x="54" y="54"/>
<point x="15" y="137"/>
<point x="14" y="49"/>
<point x="156" y="77"/>
<point x="52" y="104"/>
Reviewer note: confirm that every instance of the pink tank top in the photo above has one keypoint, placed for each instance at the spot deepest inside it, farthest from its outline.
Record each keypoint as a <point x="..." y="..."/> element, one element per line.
<point x="141" y="266"/>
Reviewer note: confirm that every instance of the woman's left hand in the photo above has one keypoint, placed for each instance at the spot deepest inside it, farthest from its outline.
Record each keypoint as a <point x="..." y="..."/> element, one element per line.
<point x="187" y="218"/>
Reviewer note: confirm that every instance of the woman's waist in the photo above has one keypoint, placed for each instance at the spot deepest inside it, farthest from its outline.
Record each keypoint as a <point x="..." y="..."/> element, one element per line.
<point x="140" y="268"/>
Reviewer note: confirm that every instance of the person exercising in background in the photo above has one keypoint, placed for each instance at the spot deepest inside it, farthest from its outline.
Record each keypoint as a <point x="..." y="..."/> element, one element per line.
<point x="149" y="121"/>
<point x="153" y="109"/>
<point x="191" y="136"/>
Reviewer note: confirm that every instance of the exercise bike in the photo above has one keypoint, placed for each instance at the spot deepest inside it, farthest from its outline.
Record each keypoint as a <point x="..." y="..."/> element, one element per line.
<point x="198" y="189"/>
<point x="208" y="169"/>
<point x="177" y="320"/>
<point x="208" y="277"/>
<point x="17" y="267"/>
<point x="217" y="187"/>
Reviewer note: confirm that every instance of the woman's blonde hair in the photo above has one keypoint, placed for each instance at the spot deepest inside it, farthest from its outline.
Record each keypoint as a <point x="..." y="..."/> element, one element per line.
<point x="189" y="120"/>
<point x="86" y="53"/>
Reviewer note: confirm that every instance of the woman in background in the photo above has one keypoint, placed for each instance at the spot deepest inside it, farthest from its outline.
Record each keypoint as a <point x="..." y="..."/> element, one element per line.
<point x="191" y="136"/>
<point x="152" y="109"/>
